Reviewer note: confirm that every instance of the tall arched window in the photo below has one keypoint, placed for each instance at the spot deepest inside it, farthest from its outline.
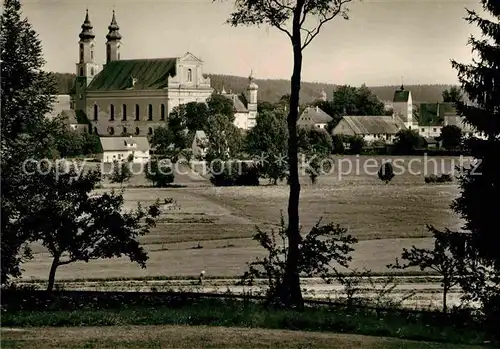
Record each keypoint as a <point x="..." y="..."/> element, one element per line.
<point x="162" y="112"/>
<point x="150" y="112"/>
<point x="189" y="75"/>
<point x="111" y="112"/>
<point x="108" y="53"/>
<point x="137" y="118"/>
<point x="81" y="71"/>
<point x="137" y="131"/>
<point x="124" y="131"/>
<point x="150" y="131"/>
<point x="96" y="112"/>
<point x="124" y="112"/>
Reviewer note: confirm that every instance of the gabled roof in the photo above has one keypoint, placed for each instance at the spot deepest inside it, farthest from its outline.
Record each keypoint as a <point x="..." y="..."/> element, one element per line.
<point x="239" y="106"/>
<point x="432" y="114"/>
<point x="401" y="96"/>
<point x="150" y="74"/>
<point x="120" y="143"/>
<point x="374" y="124"/>
<point x="314" y="115"/>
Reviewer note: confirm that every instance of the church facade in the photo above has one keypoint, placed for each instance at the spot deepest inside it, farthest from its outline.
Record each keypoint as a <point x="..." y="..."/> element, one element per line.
<point x="132" y="97"/>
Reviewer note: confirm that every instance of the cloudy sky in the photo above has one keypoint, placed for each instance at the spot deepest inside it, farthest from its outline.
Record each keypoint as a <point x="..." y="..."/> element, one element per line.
<point x="382" y="41"/>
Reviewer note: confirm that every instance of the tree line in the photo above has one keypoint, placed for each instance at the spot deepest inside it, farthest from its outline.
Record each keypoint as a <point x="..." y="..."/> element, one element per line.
<point x="271" y="90"/>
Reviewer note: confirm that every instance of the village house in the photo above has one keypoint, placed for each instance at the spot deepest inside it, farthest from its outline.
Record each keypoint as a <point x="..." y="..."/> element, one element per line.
<point x="122" y="149"/>
<point x="381" y="128"/>
<point x="370" y="127"/>
<point x="314" y="117"/>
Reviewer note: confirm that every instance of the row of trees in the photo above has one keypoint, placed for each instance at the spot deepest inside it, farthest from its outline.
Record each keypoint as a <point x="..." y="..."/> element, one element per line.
<point x="40" y="201"/>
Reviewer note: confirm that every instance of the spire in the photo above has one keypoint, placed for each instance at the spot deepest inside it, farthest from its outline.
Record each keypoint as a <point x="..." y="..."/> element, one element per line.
<point x="87" y="33"/>
<point x="251" y="83"/>
<point x="402" y="85"/>
<point x="114" y="34"/>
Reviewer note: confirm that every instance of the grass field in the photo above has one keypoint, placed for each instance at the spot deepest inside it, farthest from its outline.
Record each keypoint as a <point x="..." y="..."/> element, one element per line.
<point x="212" y="230"/>
<point x="198" y="337"/>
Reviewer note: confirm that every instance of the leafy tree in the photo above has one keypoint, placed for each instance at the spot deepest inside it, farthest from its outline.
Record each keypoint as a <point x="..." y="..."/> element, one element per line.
<point x="121" y="172"/>
<point x="407" y="141"/>
<point x="279" y="14"/>
<point x="454" y="95"/>
<point x="451" y="136"/>
<point x="225" y="139"/>
<point x="218" y="104"/>
<point x="263" y="106"/>
<point x="27" y="91"/>
<point x="160" y="172"/>
<point x="27" y="94"/>
<point x="75" y="225"/>
<point x="338" y="144"/>
<point x="439" y="259"/>
<point x="349" y="100"/>
<point x="356" y="144"/>
<point x="91" y="144"/>
<point x="386" y="172"/>
<point x="477" y="244"/>
<point x="322" y="250"/>
<point x="266" y="141"/>
<point x="316" y="146"/>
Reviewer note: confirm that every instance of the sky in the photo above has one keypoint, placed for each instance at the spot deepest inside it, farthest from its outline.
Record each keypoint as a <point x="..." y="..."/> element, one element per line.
<point x="383" y="43"/>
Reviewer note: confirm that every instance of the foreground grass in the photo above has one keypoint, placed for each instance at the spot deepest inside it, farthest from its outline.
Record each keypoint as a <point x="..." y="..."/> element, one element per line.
<point x="198" y="337"/>
<point x="232" y="313"/>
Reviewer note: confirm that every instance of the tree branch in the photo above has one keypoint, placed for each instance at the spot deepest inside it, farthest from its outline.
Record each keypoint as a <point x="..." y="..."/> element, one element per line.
<point x="314" y="32"/>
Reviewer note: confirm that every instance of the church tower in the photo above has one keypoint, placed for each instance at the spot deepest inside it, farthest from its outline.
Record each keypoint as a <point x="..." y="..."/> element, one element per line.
<point x="113" y="43"/>
<point x="86" y="68"/>
<point x="252" y="90"/>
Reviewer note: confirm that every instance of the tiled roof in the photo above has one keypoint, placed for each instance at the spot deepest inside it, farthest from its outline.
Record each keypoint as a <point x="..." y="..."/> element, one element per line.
<point x="120" y="143"/>
<point x="314" y="115"/>
<point x="374" y="124"/>
<point x="151" y="74"/>
<point x="401" y="96"/>
<point x="239" y="106"/>
<point x="432" y="114"/>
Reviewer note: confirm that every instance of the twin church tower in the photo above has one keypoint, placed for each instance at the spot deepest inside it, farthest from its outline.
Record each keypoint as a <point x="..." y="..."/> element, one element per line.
<point x="87" y="68"/>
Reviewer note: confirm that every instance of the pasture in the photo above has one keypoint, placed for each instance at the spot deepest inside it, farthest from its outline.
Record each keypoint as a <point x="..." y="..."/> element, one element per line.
<point x="198" y="337"/>
<point x="213" y="227"/>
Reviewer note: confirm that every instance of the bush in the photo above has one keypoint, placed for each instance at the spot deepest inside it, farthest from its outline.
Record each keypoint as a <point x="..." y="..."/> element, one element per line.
<point x="160" y="173"/>
<point x="443" y="178"/>
<point x="234" y="173"/>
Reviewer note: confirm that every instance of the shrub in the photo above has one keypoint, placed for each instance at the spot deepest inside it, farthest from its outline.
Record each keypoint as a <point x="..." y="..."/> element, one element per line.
<point x="160" y="173"/>
<point x="443" y="178"/>
<point x="234" y="173"/>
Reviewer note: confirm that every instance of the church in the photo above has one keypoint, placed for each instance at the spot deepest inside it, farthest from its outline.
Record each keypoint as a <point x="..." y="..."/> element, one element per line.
<point x="135" y="96"/>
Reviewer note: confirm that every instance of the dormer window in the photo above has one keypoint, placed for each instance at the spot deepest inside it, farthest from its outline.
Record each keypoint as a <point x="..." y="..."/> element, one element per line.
<point x="189" y="75"/>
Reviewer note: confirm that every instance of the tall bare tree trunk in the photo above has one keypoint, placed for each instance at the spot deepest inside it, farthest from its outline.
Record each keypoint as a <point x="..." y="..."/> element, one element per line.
<point x="290" y="293"/>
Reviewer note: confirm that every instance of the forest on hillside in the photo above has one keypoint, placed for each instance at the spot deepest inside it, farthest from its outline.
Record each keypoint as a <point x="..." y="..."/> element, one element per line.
<point x="270" y="90"/>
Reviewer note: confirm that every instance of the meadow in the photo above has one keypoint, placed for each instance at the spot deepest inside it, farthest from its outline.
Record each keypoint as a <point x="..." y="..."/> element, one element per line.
<point x="211" y="229"/>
